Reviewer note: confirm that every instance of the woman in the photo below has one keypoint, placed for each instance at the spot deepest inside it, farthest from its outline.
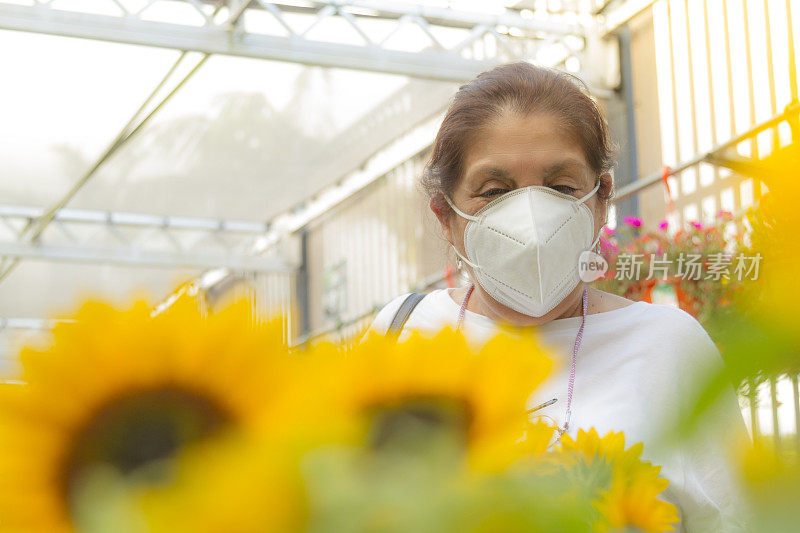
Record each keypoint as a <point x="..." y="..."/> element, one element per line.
<point x="520" y="182"/>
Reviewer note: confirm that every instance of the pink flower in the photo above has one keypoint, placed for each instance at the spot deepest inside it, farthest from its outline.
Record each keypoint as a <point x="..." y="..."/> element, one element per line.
<point x="696" y="225"/>
<point x="725" y="215"/>
<point x="635" y="222"/>
<point x="663" y="225"/>
<point x="607" y="246"/>
<point x="609" y="231"/>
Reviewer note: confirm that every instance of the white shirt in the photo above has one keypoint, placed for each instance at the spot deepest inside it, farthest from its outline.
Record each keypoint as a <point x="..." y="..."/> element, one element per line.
<point x="633" y="371"/>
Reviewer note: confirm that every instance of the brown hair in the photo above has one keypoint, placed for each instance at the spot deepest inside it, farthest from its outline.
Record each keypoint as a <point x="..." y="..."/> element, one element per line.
<point x="523" y="88"/>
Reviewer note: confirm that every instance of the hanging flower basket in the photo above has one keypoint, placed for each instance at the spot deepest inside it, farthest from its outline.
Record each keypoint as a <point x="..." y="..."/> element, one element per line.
<point x="652" y="266"/>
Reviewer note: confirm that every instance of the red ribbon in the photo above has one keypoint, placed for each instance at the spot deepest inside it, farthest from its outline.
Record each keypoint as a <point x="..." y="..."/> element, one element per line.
<point x="665" y="173"/>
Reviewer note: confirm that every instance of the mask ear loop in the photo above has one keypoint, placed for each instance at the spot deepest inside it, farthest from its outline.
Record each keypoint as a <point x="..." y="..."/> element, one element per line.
<point x="471" y="219"/>
<point x="459" y="211"/>
<point x="588" y="195"/>
<point x="594" y="245"/>
<point x="462" y="258"/>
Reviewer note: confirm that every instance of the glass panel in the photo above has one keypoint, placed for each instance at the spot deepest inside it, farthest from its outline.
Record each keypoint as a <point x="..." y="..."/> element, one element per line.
<point x="249" y="139"/>
<point x="67" y="99"/>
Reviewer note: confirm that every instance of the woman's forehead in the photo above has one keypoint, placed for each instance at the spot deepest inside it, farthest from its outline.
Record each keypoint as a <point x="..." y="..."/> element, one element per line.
<point x="541" y="169"/>
<point x="533" y="146"/>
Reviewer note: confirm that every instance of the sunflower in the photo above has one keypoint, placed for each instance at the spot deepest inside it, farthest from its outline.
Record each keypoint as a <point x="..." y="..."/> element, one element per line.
<point x="344" y="419"/>
<point x="406" y="392"/>
<point x="625" y="487"/>
<point x="242" y="483"/>
<point x="775" y="235"/>
<point x="122" y="391"/>
<point x="769" y="478"/>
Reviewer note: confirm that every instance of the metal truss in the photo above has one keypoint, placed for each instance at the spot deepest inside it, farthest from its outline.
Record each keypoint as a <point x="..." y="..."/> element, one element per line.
<point x="82" y="235"/>
<point x="292" y="30"/>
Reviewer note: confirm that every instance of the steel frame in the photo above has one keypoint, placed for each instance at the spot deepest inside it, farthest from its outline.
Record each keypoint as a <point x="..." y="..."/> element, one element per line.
<point x="137" y="257"/>
<point x="223" y="29"/>
<point x="133" y="236"/>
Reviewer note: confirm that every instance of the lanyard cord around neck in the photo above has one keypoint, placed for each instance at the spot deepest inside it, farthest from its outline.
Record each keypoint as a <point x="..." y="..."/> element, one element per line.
<point x="575" y="347"/>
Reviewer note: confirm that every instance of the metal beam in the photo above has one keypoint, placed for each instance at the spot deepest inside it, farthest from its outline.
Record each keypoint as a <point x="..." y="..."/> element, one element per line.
<point x="135" y="220"/>
<point x="215" y="242"/>
<point x="146" y="258"/>
<point x="440" y="16"/>
<point x="457" y="63"/>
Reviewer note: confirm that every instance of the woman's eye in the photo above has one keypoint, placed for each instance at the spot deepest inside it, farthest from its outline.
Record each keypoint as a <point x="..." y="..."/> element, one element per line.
<point x="566" y="189"/>
<point x="493" y="192"/>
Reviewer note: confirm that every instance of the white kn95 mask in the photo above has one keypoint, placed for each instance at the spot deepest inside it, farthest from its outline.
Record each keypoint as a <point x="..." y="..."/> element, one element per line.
<point x="524" y="246"/>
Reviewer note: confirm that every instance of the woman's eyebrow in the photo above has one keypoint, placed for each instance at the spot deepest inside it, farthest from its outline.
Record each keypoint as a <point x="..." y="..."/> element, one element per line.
<point x="549" y="171"/>
<point x="491" y="172"/>
<point x="561" y="166"/>
<point x="496" y="172"/>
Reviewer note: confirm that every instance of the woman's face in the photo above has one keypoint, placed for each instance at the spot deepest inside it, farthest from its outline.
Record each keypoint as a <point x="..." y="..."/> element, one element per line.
<point x="519" y="151"/>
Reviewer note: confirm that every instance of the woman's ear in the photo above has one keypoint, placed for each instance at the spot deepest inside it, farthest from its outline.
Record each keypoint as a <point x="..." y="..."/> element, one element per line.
<point x="606" y="190"/>
<point x="442" y="213"/>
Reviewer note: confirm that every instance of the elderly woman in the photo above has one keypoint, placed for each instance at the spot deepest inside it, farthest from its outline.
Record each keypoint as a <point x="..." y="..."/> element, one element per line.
<point x="520" y="181"/>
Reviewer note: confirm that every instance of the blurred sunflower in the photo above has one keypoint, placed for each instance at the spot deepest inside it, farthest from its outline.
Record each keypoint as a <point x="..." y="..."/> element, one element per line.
<point x="122" y="391"/>
<point x="626" y="487"/>
<point x="775" y="236"/>
<point x="406" y="392"/>
<point x="371" y="437"/>
<point x="758" y="335"/>
<point x="770" y="478"/>
<point x="242" y="483"/>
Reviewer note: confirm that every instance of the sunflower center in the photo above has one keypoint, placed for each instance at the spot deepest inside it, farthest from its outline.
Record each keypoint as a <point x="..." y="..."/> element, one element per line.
<point x="416" y="422"/>
<point x="141" y="428"/>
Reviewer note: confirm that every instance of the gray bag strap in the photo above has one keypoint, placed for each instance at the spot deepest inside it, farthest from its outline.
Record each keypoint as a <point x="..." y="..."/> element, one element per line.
<point x="403" y="312"/>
